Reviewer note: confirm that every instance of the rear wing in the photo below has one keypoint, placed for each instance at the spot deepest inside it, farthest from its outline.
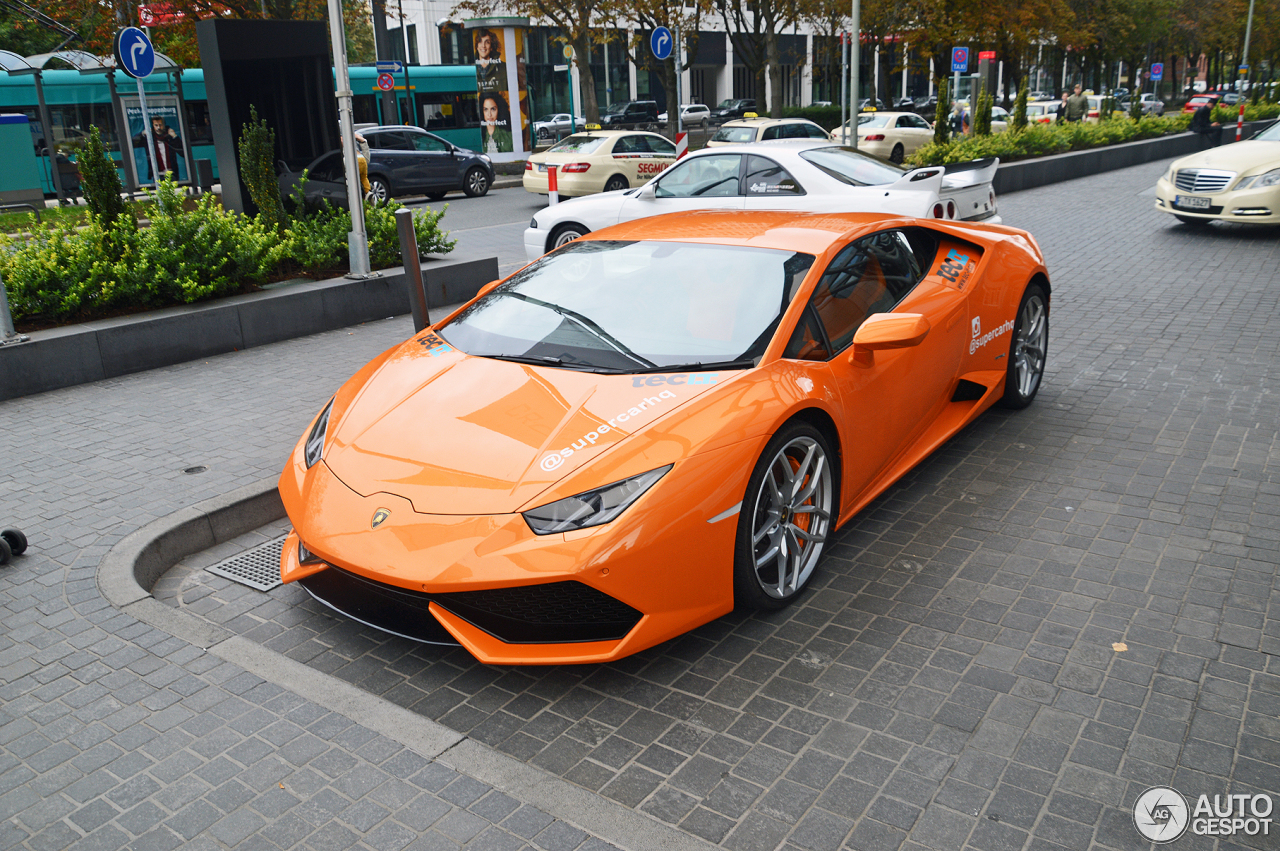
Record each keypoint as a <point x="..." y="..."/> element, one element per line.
<point x="970" y="174"/>
<point x="929" y="178"/>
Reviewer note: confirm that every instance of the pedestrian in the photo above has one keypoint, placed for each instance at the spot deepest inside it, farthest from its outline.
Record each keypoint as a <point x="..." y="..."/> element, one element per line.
<point x="1210" y="131"/>
<point x="1062" y="108"/>
<point x="959" y="119"/>
<point x="1077" y="105"/>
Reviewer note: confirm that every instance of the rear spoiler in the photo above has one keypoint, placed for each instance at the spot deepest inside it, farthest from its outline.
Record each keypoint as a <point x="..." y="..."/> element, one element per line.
<point x="928" y="178"/>
<point x="972" y="173"/>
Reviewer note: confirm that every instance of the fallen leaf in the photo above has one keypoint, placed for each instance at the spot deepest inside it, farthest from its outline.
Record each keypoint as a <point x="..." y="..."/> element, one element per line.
<point x="1119" y="647"/>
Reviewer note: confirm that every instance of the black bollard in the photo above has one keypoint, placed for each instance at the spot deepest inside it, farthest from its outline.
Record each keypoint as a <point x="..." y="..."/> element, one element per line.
<point x="412" y="268"/>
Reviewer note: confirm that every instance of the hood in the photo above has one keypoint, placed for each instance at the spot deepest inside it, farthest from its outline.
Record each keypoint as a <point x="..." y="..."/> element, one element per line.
<point x="1241" y="157"/>
<point x="456" y="434"/>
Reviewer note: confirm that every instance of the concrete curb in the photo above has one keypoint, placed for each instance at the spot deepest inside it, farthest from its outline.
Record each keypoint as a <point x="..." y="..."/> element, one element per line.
<point x="77" y="354"/>
<point x="132" y="567"/>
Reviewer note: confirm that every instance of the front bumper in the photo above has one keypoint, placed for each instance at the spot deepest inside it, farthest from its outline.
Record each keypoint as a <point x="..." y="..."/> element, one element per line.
<point x="1247" y="206"/>
<point x="535" y="243"/>
<point x="512" y="597"/>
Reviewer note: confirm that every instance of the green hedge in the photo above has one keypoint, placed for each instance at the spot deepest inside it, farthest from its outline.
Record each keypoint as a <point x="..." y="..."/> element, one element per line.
<point x="1038" y="140"/>
<point x="61" y="272"/>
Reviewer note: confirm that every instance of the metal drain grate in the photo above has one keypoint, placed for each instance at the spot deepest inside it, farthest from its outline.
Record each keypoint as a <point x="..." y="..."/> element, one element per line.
<point x="259" y="568"/>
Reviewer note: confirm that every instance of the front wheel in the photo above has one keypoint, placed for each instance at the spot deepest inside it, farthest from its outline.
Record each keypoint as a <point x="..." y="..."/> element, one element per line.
<point x="615" y="183"/>
<point x="1028" y="348"/>
<point x="476" y="183"/>
<point x="1191" y="220"/>
<point x="566" y="234"/>
<point x="786" y="517"/>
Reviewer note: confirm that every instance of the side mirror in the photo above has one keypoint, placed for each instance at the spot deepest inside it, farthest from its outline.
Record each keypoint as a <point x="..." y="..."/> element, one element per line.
<point x="887" y="331"/>
<point x="487" y="288"/>
<point x="649" y="191"/>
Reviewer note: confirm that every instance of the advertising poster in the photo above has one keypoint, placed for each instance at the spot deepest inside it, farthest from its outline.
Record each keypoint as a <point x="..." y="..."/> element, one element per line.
<point x="171" y="154"/>
<point x="501" y="90"/>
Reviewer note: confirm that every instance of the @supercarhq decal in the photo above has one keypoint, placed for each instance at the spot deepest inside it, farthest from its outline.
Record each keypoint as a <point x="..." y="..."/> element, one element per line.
<point x="979" y="339"/>
<point x="1161" y="814"/>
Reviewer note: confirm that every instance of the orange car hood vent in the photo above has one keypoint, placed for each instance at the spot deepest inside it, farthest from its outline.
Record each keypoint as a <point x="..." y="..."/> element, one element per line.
<point x="467" y="435"/>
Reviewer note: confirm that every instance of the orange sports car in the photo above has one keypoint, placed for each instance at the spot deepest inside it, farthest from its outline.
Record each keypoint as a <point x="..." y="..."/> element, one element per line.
<point x="654" y="423"/>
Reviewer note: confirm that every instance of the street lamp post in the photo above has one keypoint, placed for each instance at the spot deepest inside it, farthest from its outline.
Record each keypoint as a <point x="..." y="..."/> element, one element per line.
<point x="1244" y="70"/>
<point x="855" y="60"/>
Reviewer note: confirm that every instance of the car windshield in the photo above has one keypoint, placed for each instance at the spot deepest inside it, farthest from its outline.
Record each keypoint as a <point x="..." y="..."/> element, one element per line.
<point x="626" y="306"/>
<point x="546" y="118"/>
<point x="726" y="104"/>
<point x="1271" y="134"/>
<point x="735" y="134"/>
<point x="615" y="107"/>
<point x="853" y="167"/>
<point x="577" y="144"/>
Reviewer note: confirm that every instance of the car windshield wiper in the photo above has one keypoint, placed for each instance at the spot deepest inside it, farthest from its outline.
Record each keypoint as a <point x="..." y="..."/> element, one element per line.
<point x="697" y="367"/>
<point x="540" y="360"/>
<point x="595" y="330"/>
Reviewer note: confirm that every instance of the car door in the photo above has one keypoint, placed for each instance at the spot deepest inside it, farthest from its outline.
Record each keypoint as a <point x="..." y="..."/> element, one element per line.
<point x="709" y="182"/>
<point x="914" y="131"/>
<point x="436" y="162"/>
<point x="393" y="151"/>
<point x="888" y="397"/>
<point x="326" y="180"/>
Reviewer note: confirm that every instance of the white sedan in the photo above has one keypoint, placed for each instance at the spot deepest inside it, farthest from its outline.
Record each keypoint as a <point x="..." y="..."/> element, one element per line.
<point x="1232" y="183"/>
<point x="786" y="175"/>
<point x="892" y="135"/>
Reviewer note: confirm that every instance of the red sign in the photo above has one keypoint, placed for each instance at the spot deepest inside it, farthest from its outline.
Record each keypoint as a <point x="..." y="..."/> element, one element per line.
<point x="160" y="13"/>
<point x="386" y="82"/>
<point x="988" y="55"/>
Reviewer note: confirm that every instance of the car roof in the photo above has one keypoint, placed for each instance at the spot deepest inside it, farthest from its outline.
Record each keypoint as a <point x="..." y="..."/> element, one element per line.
<point x="765" y="122"/>
<point x="811" y="233"/>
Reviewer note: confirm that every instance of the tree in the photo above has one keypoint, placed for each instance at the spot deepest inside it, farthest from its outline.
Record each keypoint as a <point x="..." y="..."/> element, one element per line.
<point x="672" y="14"/>
<point x="753" y="27"/>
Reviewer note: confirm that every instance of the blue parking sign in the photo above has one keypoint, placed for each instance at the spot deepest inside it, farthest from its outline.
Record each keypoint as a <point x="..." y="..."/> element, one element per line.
<point x="959" y="60"/>
<point x="1157" y="70"/>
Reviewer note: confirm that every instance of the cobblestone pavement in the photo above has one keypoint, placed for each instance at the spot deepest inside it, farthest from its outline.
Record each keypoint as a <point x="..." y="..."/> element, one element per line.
<point x="1064" y="606"/>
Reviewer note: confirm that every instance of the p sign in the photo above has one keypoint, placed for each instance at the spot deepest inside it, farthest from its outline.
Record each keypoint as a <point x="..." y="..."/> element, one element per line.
<point x="1157" y="71"/>
<point x="959" y="60"/>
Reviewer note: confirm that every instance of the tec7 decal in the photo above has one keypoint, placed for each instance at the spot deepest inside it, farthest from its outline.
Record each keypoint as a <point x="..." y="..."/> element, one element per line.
<point x="955" y="268"/>
<point x="434" y="345"/>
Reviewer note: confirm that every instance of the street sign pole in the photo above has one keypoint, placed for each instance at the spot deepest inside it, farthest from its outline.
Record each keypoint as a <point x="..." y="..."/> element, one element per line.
<point x="1244" y="70"/>
<point x="679" y="74"/>
<point x="854" y="59"/>
<point x="151" y="141"/>
<point x="844" y="90"/>
<point x="357" y="239"/>
<point x="137" y="58"/>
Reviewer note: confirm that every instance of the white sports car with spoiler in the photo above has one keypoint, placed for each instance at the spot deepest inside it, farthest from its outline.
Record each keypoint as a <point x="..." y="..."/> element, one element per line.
<point x="808" y="176"/>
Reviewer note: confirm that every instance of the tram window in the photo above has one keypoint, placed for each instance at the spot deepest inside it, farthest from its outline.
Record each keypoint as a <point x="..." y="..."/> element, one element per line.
<point x="439" y="111"/>
<point x="198" y="121"/>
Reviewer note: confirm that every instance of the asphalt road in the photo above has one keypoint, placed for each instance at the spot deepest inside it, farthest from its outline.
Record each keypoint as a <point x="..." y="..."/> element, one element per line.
<point x="489" y="226"/>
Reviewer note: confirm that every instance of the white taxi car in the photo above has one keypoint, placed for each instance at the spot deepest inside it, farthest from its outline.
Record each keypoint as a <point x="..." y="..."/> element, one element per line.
<point x="891" y="135"/>
<point x="752" y="128"/>
<point x="600" y="161"/>
<point x="1232" y="183"/>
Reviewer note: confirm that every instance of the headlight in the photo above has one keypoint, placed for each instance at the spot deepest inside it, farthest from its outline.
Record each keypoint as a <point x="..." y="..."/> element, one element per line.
<point x="1271" y="178"/>
<point x="314" y="448"/>
<point x="591" y="508"/>
<point x="486" y="158"/>
<point x="533" y="223"/>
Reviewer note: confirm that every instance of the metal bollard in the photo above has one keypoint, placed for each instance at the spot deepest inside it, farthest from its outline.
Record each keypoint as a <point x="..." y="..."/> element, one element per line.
<point x="7" y="334"/>
<point x="553" y="191"/>
<point x="412" y="268"/>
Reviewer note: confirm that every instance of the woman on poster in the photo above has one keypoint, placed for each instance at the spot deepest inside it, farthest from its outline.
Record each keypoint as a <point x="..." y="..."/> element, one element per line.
<point x="495" y="124"/>
<point x="491" y="71"/>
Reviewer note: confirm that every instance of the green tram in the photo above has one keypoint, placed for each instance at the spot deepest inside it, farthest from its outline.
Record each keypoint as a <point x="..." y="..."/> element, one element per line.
<point x="443" y="99"/>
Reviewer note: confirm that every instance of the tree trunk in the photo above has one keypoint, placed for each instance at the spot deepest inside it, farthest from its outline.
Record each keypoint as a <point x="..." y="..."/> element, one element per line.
<point x="774" y="63"/>
<point x="582" y="57"/>
<point x="669" y="72"/>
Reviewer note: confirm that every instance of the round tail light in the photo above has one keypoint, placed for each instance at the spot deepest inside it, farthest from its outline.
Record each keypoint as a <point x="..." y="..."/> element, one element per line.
<point x="951" y="209"/>
<point x="938" y="212"/>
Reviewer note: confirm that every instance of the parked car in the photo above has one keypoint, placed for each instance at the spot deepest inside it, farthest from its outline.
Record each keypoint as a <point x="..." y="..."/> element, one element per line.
<point x="600" y="161"/>
<point x="1150" y="104"/>
<point x="631" y="115"/>
<point x="783" y="175"/>
<point x="1042" y="112"/>
<point x="891" y="135"/>
<point x="691" y="115"/>
<point x="403" y="161"/>
<point x="927" y="105"/>
<point x="727" y="110"/>
<point x="1234" y="183"/>
<point x="1200" y="100"/>
<point x="654" y="426"/>
<point x="752" y="129"/>
<point x="553" y="126"/>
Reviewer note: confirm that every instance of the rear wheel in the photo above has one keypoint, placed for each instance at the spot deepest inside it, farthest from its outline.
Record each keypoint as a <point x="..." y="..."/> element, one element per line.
<point x="476" y="183"/>
<point x="1191" y="220"/>
<point x="16" y="540"/>
<point x="897" y="155"/>
<point x="380" y="190"/>
<point x="566" y="233"/>
<point x="1027" y="349"/>
<point x="615" y="183"/>
<point x="785" y="519"/>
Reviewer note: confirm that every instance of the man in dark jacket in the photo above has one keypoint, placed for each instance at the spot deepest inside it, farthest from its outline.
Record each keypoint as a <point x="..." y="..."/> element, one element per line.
<point x="1202" y="122"/>
<point x="168" y="146"/>
<point x="1077" y="105"/>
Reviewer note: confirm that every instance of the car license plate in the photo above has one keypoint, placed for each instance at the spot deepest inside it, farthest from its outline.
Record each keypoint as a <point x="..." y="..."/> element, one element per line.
<point x="1191" y="202"/>
<point x="541" y="167"/>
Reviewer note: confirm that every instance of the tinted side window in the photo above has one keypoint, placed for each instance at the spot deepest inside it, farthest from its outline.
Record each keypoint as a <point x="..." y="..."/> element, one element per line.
<point x="329" y="169"/>
<point x="774" y="132"/>
<point x="813" y="131"/>
<point x="661" y="146"/>
<point x="423" y="142"/>
<point x="766" y="177"/>
<point x="390" y="141"/>
<point x="869" y="276"/>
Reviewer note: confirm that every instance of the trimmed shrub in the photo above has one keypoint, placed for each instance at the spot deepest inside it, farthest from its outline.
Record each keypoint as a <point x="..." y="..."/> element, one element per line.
<point x="100" y="183"/>
<point x="942" y="117"/>
<point x="258" y="168"/>
<point x="1020" y="108"/>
